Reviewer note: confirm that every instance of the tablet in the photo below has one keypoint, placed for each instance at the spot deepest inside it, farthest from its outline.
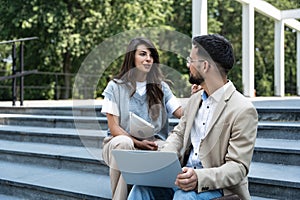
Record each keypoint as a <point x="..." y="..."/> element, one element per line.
<point x="139" y="127"/>
<point x="148" y="168"/>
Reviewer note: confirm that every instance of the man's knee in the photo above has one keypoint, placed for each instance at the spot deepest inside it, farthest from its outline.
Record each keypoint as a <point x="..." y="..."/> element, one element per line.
<point x="180" y="194"/>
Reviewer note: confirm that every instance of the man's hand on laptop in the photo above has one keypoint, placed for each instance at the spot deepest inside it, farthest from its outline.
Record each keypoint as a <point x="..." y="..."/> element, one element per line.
<point x="187" y="180"/>
<point x="146" y="145"/>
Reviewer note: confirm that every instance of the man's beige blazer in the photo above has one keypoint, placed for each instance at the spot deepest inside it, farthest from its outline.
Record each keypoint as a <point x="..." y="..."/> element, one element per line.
<point x="227" y="150"/>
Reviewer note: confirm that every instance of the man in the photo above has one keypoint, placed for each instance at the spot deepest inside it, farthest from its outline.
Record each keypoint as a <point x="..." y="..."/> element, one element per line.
<point x="215" y="137"/>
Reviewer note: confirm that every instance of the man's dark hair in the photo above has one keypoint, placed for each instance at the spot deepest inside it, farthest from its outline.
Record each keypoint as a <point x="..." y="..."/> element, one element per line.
<point x="218" y="48"/>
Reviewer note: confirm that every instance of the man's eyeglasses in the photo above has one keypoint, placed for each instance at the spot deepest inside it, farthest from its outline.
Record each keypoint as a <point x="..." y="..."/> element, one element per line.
<point x="189" y="60"/>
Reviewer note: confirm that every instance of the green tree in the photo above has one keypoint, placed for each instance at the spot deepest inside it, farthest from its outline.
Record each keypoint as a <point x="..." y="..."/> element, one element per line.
<point x="69" y="30"/>
<point x="66" y="31"/>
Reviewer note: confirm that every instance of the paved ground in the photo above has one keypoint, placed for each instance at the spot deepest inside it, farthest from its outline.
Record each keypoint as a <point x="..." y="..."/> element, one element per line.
<point x="279" y="102"/>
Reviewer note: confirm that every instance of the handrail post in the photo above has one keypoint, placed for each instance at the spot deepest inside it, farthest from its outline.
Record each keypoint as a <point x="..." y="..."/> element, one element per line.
<point x="21" y="71"/>
<point x="14" y="80"/>
<point x="56" y="87"/>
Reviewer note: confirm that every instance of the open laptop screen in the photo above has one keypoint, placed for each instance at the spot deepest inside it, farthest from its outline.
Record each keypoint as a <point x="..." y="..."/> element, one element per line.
<point x="148" y="168"/>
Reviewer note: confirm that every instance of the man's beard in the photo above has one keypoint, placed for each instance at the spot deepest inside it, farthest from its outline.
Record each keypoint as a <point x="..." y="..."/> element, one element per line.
<point x="196" y="80"/>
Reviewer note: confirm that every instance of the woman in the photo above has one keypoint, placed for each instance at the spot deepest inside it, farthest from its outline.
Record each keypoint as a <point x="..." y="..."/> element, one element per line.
<point x="138" y="88"/>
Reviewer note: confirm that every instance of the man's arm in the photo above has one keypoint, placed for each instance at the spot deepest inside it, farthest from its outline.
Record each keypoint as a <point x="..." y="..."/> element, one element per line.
<point x="237" y="160"/>
<point x="238" y="156"/>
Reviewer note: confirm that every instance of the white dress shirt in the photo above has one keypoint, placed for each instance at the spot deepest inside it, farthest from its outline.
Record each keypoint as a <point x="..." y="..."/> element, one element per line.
<point x="201" y="122"/>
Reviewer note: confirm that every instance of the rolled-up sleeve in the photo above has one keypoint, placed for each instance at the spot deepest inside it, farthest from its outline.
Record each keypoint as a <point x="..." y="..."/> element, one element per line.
<point x="109" y="103"/>
<point x="172" y="103"/>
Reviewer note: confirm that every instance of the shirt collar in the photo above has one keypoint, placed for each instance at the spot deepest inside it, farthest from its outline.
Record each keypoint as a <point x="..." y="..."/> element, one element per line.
<point x="217" y="95"/>
<point x="204" y="95"/>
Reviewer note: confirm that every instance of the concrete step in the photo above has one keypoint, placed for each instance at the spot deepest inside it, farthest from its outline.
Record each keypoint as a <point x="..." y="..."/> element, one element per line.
<point x="261" y="198"/>
<point x="55" y="156"/>
<point x="32" y="182"/>
<point x="285" y="151"/>
<point x="79" y="122"/>
<point x="277" y="151"/>
<point x="45" y="141"/>
<point x="278" y="114"/>
<point x="62" y="136"/>
<point x="268" y="109"/>
<point x="279" y="130"/>
<point x="39" y="182"/>
<point x="57" y="110"/>
<point x="274" y="181"/>
<point x="75" y="158"/>
<point x="269" y="129"/>
<point x="9" y="197"/>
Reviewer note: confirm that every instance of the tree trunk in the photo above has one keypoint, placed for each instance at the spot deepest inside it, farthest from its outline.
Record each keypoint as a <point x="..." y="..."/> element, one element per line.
<point x="67" y="78"/>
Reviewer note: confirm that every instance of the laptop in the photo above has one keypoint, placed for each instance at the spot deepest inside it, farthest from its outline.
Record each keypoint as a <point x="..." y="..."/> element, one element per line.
<point x="139" y="127"/>
<point x="148" y="168"/>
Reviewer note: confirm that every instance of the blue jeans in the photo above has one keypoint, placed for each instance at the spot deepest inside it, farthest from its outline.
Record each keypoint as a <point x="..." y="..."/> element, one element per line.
<point x="180" y="194"/>
<point x="150" y="193"/>
<point x="158" y="193"/>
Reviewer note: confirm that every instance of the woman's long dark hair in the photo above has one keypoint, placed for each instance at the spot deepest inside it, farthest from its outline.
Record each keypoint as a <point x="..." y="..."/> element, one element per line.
<point x="154" y="76"/>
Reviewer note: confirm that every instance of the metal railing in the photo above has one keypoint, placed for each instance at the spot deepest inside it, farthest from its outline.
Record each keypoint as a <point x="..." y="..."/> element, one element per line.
<point x="18" y="74"/>
<point x="52" y="82"/>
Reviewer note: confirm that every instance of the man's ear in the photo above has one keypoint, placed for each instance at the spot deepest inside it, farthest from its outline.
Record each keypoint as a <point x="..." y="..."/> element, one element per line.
<point x="206" y="66"/>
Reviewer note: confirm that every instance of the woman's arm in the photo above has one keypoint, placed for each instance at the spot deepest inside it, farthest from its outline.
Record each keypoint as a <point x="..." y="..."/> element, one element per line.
<point x="113" y="124"/>
<point x="178" y="112"/>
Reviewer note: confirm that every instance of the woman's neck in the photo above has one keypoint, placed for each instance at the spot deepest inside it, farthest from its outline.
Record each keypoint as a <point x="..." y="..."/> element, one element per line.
<point x="141" y="77"/>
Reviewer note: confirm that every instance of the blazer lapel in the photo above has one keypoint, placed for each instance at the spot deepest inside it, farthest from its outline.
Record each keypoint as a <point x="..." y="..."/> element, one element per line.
<point x="219" y="116"/>
<point x="221" y="105"/>
<point x="193" y="108"/>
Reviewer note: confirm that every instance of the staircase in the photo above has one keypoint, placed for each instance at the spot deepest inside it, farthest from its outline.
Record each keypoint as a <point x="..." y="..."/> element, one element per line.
<point x="275" y="168"/>
<point x="44" y="154"/>
<point x="54" y="152"/>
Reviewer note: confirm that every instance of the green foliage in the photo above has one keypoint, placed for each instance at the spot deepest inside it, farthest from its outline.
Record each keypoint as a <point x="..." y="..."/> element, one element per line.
<point x="264" y="52"/>
<point x="225" y="19"/>
<point x="68" y="31"/>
